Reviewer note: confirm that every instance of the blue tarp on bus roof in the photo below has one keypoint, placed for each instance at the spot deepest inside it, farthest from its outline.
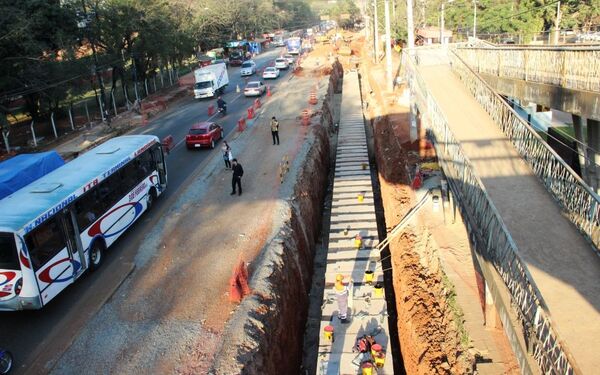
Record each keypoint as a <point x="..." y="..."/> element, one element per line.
<point x="23" y="169"/>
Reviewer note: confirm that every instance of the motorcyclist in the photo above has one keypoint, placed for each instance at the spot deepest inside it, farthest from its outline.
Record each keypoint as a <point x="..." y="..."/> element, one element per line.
<point x="222" y="105"/>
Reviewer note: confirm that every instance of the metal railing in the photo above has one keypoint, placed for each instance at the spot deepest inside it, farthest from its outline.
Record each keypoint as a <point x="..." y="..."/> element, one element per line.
<point x="576" y="68"/>
<point x="581" y="204"/>
<point x="497" y="245"/>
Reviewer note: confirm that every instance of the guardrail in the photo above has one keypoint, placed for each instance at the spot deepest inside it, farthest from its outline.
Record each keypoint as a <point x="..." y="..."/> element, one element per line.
<point x="581" y="204"/>
<point x="576" y="68"/>
<point x="496" y="243"/>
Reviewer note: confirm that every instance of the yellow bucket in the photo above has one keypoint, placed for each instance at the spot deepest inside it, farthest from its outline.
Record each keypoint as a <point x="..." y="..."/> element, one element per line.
<point x="379" y="359"/>
<point x="328" y="333"/>
<point x="358" y="241"/>
<point x="378" y="290"/>
<point x="369" y="276"/>
<point x="367" y="368"/>
<point x="361" y="197"/>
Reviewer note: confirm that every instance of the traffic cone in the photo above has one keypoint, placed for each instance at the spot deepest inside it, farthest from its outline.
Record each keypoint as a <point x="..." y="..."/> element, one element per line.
<point x="269" y="90"/>
<point x="237" y="88"/>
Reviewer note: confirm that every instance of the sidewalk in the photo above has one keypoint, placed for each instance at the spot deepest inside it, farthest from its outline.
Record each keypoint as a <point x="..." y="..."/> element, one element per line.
<point x="169" y="315"/>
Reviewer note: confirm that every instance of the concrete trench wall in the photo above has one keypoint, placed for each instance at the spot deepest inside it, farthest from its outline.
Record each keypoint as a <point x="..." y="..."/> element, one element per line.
<point x="264" y="335"/>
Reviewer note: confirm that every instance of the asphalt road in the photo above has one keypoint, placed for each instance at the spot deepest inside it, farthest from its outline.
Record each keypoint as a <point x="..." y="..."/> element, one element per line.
<point x="37" y="338"/>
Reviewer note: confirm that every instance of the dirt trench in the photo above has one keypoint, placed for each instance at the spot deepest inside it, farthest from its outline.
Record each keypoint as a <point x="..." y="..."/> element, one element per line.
<point x="431" y="340"/>
<point x="265" y="333"/>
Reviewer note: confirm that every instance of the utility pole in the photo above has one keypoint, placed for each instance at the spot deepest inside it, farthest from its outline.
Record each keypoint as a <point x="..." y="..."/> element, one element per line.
<point x="410" y="27"/>
<point x="376" y="23"/>
<point x="474" y="18"/>
<point x="388" y="48"/>
<point x="442" y="25"/>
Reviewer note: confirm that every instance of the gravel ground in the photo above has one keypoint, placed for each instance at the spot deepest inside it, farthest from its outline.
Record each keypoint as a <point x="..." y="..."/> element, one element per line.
<point x="168" y="317"/>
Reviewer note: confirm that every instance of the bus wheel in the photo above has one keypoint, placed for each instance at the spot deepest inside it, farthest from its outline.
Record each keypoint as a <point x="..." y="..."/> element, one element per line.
<point x="96" y="256"/>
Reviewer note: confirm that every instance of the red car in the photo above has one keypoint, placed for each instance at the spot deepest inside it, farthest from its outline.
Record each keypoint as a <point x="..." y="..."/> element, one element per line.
<point x="203" y="134"/>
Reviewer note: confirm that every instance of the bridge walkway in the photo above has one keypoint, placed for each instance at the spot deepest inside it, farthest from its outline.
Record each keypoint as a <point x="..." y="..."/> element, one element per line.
<point x="561" y="262"/>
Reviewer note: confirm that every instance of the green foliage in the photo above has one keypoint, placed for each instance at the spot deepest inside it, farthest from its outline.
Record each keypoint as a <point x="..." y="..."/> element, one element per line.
<point x="344" y="7"/>
<point x="46" y="46"/>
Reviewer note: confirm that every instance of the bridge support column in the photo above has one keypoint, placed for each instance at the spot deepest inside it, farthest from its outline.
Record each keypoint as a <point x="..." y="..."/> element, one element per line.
<point x="581" y="149"/>
<point x="593" y="131"/>
<point x="492" y="319"/>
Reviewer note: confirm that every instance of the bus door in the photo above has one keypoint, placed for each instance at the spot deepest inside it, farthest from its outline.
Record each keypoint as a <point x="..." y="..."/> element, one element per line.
<point x="74" y="243"/>
<point x="161" y="166"/>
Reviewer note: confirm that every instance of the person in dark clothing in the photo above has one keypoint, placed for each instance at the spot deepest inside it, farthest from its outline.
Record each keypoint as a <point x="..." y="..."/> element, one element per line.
<point x="238" y="172"/>
<point x="275" y="130"/>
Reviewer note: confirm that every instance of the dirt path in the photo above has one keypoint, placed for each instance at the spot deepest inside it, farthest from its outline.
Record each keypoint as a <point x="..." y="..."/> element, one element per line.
<point x="561" y="262"/>
<point x="169" y="315"/>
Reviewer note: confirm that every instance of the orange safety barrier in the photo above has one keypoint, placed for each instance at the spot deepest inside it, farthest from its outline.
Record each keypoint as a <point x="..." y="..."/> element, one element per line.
<point x="250" y="113"/>
<point x="305" y="117"/>
<point x="312" y="98"/>
<point x="211" y="110"/>
<point x="238" y="284"/>
<point x="257" y="103"/>
<point x="167" y="143"/>
<point x="241" y="124"/>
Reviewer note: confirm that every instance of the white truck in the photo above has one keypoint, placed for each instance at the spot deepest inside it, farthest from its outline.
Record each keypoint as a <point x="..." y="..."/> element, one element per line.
<point x="210" y="81"/>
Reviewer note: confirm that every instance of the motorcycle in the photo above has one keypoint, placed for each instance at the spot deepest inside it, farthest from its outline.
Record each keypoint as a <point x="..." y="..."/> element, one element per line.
<point x="222" y="110"/>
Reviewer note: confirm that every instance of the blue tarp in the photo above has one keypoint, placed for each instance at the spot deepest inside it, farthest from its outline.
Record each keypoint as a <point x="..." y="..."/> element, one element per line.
<point x="25" y="168"/>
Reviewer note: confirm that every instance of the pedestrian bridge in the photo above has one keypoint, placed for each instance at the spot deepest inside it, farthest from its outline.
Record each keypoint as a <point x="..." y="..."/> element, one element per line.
<point x="533" y="222"/>
<point x="566" y="78"/>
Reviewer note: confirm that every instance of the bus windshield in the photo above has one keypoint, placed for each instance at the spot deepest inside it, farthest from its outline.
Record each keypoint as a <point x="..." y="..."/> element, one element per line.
<point x="8" y="252"/>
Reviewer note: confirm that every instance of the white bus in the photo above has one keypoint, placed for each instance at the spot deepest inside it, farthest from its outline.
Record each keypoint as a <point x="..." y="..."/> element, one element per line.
<point x="55" y="228"/>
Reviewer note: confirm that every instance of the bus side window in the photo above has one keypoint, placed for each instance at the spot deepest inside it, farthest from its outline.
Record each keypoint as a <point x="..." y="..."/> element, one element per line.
<point x="87" y="209"/>
<point x="44" y="242"/>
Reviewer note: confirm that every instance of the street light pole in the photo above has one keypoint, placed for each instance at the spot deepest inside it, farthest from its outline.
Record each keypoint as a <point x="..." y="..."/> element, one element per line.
<point x="376" y="23"/>
<point x="442" y="25"/>
<point x="388" y="47"/>
<point x="474" y="18"/>
<point x="410" y="27"/>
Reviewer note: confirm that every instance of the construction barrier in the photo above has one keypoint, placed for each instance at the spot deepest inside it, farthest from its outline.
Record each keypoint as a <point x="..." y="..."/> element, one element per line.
<point x="167" y="143"/>
<point x="238" y="284"/>
<point x="305" y="117"/>
<point x="312" y="98"/>
<point x="211" y="110"/>
<point x="250" y="113"/>
<point x="241" y="124"/>
<point x="257" y="103"/>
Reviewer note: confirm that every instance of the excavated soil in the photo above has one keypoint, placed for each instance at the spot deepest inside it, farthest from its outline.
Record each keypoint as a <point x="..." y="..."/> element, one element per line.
<point x="429" y="340"/>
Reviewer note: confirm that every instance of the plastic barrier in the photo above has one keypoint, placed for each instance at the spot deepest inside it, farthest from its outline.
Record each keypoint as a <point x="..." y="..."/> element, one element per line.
<point x="241" y="124"/>
<point x="257" y="103"/>
<point x="250" y="113"/>
<point x="305" y="117"/>
<point x="211" y="110"/>
<point x="238" y="284"/>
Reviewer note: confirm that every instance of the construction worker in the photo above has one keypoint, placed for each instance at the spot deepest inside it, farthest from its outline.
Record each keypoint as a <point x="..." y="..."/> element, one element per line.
<point x="275" y="130"/>
<point x="341" y="293"/>
<point x="236" y="179"/>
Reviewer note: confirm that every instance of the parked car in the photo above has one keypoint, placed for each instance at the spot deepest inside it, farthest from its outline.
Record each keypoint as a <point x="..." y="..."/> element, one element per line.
<point x="271" y="72"/>
<point x="248" y="68"/>
<point x="254" y="88"/>
<point x="203" y="134"/>
<point x="281" y="63"/>
<point x="290" y="59"/>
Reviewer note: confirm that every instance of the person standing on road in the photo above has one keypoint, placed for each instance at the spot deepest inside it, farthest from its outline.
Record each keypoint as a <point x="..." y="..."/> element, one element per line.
<point x="238" y="172"/>
<point x="226" y="154"/>
<point x="275" y="130"/>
